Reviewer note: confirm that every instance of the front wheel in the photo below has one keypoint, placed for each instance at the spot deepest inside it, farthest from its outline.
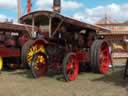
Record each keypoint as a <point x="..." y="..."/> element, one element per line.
<point x="70" y="67"/>
<point x="39" y="65"/>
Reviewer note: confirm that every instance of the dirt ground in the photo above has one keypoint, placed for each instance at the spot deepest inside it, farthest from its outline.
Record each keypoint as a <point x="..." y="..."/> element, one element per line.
<point x="21" y="83"/>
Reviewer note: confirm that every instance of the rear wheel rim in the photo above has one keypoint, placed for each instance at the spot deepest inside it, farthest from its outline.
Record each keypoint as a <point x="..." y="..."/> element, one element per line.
<point x="104" y="58"/>
<point x="72" y="68"/>
<point x="39" y="65"/>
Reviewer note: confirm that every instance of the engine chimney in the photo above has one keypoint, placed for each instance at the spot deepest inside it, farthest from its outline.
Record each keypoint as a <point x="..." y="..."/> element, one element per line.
<point x="57" y="6"/>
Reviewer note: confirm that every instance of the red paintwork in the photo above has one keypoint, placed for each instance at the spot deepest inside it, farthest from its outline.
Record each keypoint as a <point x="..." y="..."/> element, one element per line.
<point x="9" y="52"/>
<point x="10" y="42"/>
<point x="22" y="40"/>
<point x="55" y="64"/>
<point x="83" y="56"/>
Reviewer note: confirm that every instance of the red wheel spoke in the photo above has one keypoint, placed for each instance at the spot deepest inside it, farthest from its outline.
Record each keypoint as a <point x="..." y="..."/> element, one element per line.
<point x="104" y="58"/>
<point x="68" y="67"/>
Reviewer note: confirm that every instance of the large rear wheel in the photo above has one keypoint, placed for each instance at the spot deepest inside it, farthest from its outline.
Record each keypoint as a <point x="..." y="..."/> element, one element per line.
<point x="70" y="67"/>
<point x="100" y="57"/>
<point x="29" y="49"/>
<point x="24" y="53"/>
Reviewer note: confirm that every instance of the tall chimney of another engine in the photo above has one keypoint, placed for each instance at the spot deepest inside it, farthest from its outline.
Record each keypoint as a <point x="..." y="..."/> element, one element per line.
<point x="19" y="9"/>
<point x="29" y="6"/>
<point x="57" y="6"/>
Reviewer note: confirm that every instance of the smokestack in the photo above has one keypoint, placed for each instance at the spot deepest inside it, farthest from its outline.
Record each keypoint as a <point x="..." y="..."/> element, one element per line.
<point x="19" y="8"/>
<point x="57" y="6"/>
<point x="29" y="6"/>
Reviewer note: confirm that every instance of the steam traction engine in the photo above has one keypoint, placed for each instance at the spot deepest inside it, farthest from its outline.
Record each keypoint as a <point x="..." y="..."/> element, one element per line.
<point x="12" y="38"/>
<point x="64" y="44"/>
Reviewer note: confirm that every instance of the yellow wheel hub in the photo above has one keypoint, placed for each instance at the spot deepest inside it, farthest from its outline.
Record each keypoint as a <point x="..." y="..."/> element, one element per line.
<point x="1" y="63"/>
<point x="34" y="49"/>
<point x="39" y="60"/>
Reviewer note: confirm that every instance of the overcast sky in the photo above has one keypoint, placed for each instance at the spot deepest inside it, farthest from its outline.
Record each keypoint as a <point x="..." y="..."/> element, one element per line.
<point x="89" y="11"/>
